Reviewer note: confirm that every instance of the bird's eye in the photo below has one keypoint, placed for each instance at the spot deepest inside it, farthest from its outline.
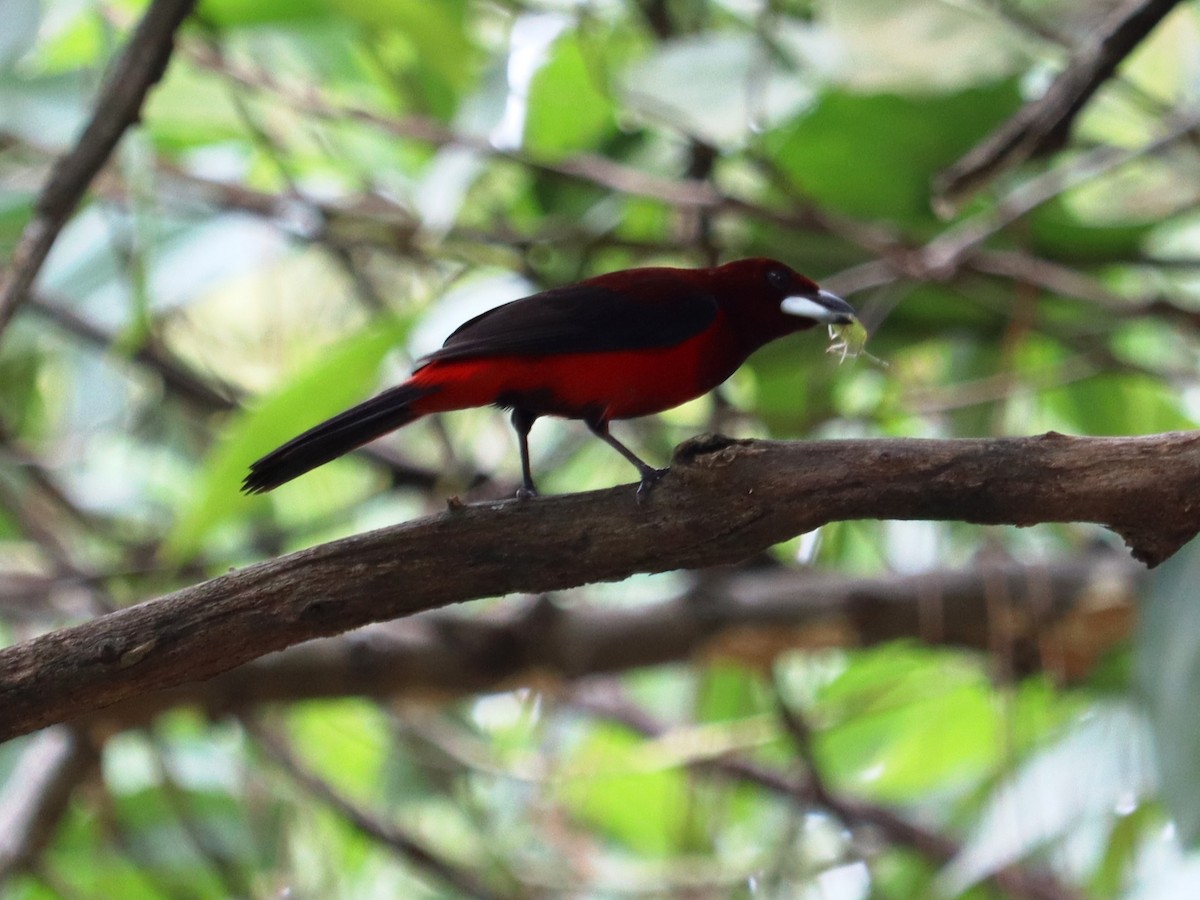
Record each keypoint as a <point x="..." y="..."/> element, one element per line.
<point x="778" y="278"/>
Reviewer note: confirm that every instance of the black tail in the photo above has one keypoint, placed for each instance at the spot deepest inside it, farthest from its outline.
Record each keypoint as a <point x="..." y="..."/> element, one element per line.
<point x="334" y="437"/>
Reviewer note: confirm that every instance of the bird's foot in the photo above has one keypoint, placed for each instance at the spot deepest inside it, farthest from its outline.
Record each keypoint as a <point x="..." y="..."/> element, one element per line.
<point x="650" y="479"/>
<point x="526" y="492"/>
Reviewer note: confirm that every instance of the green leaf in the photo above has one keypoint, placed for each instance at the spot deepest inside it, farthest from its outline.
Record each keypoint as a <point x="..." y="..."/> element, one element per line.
<point x="728" y="693"/>
<point x="903" y="752"/>
<point x="789" y="382"/>
<point x="78" y="44"/>
<point x="1167" y="675"/>
<point x="567" y="111"/>
<point x="1059" y="233"/>
<point x="874" y="155"/>
<point x="932" y="311"/>
<point x="345" y="743"/>
<point x="344" y="374"/>
<point x="234" y="13"/>
<point x="1125" y="841"/>
<point x="903" y="721"/>
<point x="620" y="785"/>
<point x="15" y="207"/>
<point x="896" y="874"/>
<point x="192" y="108"/>
<point x="436" y="32"/>
<point x="22" y="402"/>
<point x="1098" y="766"/>
<point x="1116" y="404"/>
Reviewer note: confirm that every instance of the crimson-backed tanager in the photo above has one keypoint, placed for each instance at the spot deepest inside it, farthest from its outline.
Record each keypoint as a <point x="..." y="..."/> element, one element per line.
<point x="616" y="346"/>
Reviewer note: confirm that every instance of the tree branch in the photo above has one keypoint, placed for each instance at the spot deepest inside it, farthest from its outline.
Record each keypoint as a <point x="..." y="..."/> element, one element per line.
<point x="1043" y="125"/>
<point x="586" y="167"/>
<point x="1062" y="618"/>
<point x="1014" y="880"/>
<point x="37" y="793"/>
<point x="138" y="69"/>
<point x="405" y="844"/>
<point x="723" y="501"/>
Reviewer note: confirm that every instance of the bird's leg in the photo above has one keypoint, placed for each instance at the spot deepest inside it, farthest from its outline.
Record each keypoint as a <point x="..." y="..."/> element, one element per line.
<point x="650" y="475"/>
<point x="522" y="421"/>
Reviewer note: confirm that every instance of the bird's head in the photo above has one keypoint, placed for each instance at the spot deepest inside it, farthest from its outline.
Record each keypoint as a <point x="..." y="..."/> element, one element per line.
<point x="766" y="299"/>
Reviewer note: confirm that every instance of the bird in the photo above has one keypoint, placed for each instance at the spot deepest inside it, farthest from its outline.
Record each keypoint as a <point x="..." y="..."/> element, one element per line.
<point x="615" y="346"/>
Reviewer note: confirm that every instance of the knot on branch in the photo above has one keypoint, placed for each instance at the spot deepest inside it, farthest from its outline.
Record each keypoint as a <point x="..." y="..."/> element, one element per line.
<point x="709" y="450"/>
<point x="1152" y="544"/>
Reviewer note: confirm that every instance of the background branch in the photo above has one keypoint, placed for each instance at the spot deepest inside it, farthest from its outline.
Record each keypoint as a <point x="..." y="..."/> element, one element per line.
<point x="1014" y="880"/>
<point x="139" y="67"/>
<point x="1061" y="618"/>
<point x="396" y="838"/>
<point x="1043" y="125"/>
<point x="37" y="793"/>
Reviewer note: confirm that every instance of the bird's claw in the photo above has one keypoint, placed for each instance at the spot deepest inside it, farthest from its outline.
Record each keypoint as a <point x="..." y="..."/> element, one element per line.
<point x="650" y="479"/>
<point x="526" y="492"/>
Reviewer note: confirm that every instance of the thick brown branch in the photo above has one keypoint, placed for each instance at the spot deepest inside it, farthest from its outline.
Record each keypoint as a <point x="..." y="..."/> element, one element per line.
<point x="723" y="501"/>
<point x="138" y="69"/>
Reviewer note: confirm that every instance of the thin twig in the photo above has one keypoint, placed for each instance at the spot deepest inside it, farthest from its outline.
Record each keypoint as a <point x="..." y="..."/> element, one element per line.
<point x="37" y="794"/>
<point x="397" y="839"/>
<point x="1044" y="124"/>
<point x="797" y="728"/>
<point x="234" y="880"/>
<point x="1017" y="881"/>
<point x="598" y="170"/>
<point x="139" y="67"/>
<point x="209" y="394"/>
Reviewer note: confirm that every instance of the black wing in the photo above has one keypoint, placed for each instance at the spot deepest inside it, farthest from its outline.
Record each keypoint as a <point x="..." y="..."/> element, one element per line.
<point x="653" y="309"/>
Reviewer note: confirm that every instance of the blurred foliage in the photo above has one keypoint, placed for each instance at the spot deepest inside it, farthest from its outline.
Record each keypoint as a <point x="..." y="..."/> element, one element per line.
<point x="320" y="190"/>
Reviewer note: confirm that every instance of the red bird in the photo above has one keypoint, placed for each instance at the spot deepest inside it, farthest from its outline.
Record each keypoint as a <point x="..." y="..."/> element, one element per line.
<point x="617" y="346"/>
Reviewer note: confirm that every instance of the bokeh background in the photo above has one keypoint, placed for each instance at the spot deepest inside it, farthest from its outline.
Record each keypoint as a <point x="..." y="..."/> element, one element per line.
<point x="320" y="190"/>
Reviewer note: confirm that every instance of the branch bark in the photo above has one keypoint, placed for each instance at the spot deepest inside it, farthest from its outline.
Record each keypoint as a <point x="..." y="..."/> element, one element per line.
<point x="140" y="66"/>
<point x="723" y="501"/>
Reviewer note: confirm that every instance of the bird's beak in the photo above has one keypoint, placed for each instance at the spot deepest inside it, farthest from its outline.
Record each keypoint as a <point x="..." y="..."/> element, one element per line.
<point x="823" y="307"/>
